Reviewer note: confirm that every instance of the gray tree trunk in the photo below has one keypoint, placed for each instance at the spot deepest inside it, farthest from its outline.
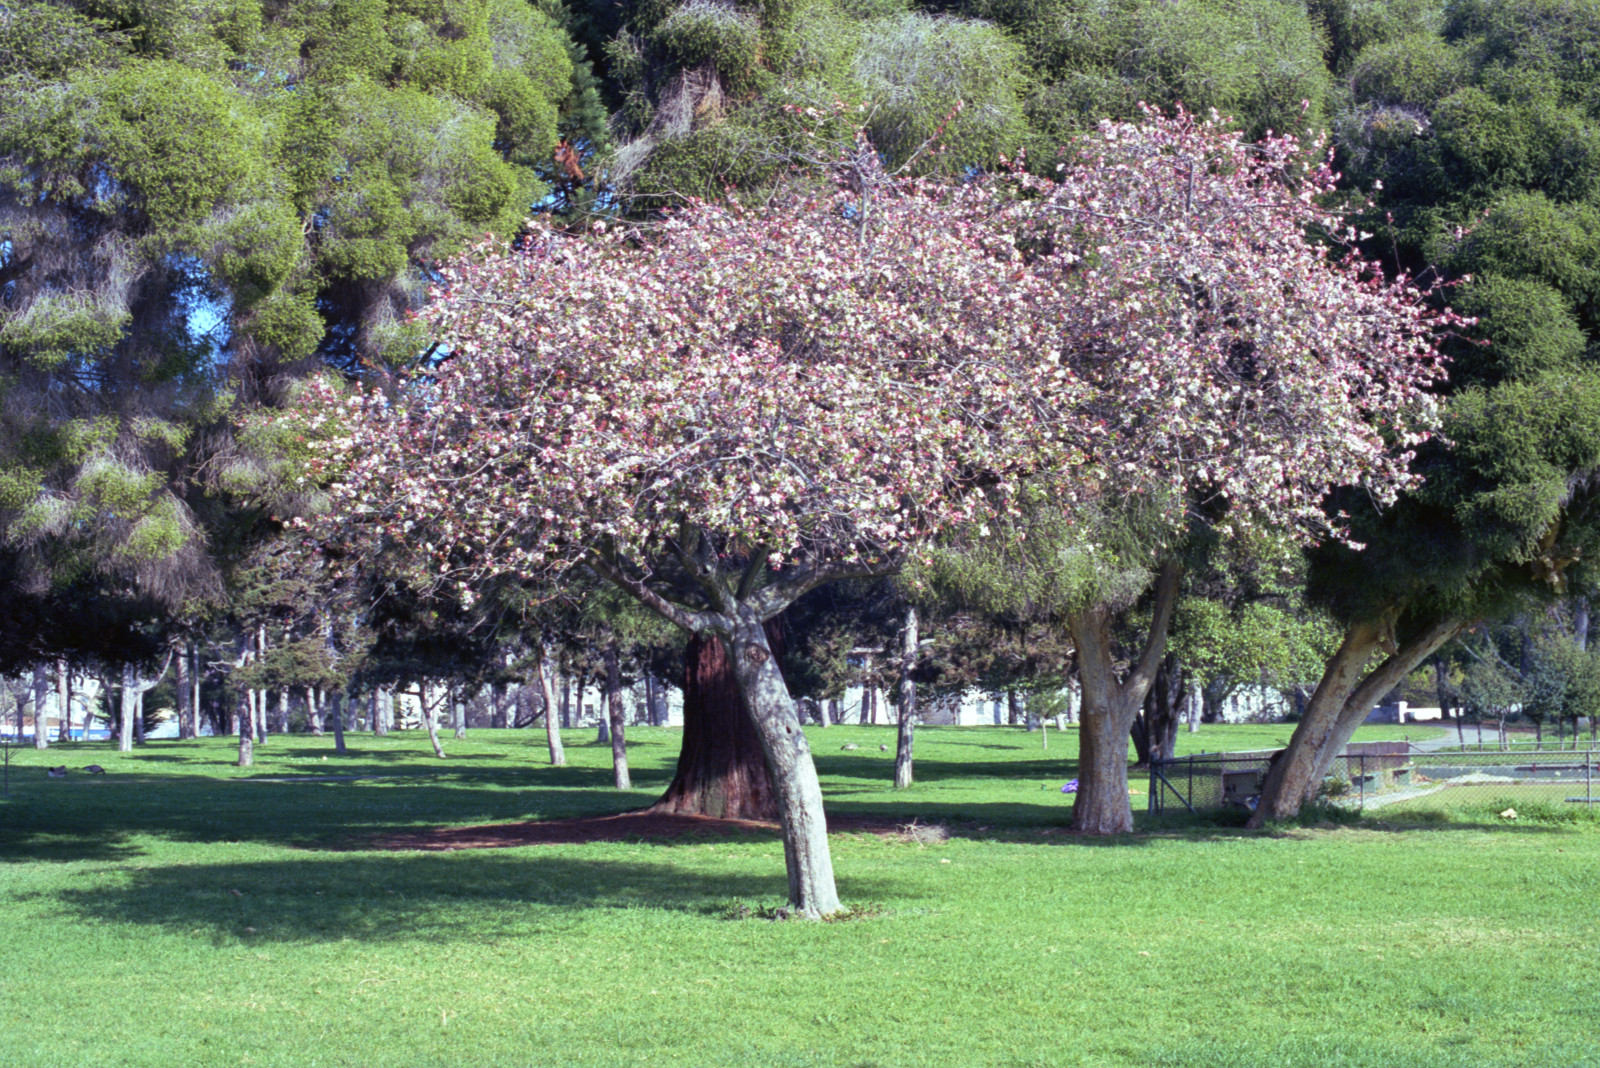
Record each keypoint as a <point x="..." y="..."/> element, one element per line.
<point x="64" y="697"/>
<point x="336" y="710"/>
<point x="1109" y="706"/>
<point x="247" y="754"/>
<point x="650" y="699"/>
<point x="130" y="707"/>
<point x="613" y="700"/>
<point x="41" y="707"/>
<point x="552" y="727"/>
<point x="812" y="891"/>
<point x="283" y="711"/>
<point x="181" y="683"/>
<point x="906" y="711"/>
<point x="194" y="687"/>
<point x="1341" y="702"/>
<point x="429" y="722"/>
<point x="314" y="709"/>
<point x="459" y="705"/>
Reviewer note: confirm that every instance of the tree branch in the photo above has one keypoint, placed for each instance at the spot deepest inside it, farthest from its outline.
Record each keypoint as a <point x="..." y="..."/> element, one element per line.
<point x="690" y="620"/>
<point x="781" y="593"/>
<point x="1160" y="623"/>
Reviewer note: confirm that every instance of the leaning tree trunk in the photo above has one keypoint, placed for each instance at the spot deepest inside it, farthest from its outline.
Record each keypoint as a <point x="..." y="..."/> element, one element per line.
<point x="1341" y="702"/>
<point x="906" y="713"/>
<point x="812" y="891"/>
<point x="613" y="710"/>
<point x="429" y="721"/>
<point x="547" y="691"/>
<point x="722" y="770"/>
<point x="1110" y="705"/>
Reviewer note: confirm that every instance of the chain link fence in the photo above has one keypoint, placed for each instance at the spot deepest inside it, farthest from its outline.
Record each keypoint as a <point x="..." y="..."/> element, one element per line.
<point x="1374" y="775"/>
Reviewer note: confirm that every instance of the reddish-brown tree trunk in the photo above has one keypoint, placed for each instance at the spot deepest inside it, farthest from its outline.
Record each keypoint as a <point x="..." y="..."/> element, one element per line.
<point x="721" y="769"/>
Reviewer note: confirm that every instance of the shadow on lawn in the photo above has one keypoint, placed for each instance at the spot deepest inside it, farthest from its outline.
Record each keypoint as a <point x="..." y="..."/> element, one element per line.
<point x="95" y="819"/>
<point x="405" y="897"/>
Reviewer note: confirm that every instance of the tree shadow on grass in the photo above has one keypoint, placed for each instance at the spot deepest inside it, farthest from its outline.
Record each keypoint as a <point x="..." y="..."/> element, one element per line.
<point x="471" y="896"/>
<point x="84" y="819"/>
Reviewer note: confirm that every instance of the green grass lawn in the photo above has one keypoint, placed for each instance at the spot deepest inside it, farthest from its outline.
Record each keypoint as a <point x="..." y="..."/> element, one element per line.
<point x="180" y="911"/>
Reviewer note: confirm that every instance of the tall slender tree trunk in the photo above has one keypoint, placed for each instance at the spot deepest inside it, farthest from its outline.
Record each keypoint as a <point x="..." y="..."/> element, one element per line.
<point x="336" y="711"/>
<point x="41" y="707"/>
<point x="812" y="890"/>
<point x="547" y="691"/>
<point x="381" y="698"/>
<point x="497" y="697"/>
<point x="613" y="700"/>
<point x="429" y="722"/>
<point x="722" y="767"/>
<point x="246" y="720"/>
<point x="314" y="710"/>
<point x="1013" y="708"/>
<point x="650" y="698"/>
<point x="130" y="708"/>
<point x="181" y="689"/>
<point x="906" y="712"/>
<point x="194" y="690"/>
<point x="1341" y="702"/>
<point x="64" y="696"/>
<point x="459" y="706"/>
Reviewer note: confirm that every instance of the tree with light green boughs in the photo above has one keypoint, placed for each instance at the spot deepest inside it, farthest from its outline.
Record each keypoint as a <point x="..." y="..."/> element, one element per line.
<point x="196" y="201"/>
<point x="1471" y="133"/>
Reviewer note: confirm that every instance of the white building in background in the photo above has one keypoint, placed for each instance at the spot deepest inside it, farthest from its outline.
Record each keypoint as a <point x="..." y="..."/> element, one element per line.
<point x="85" y="696"/>
<point x="1400" y="712"/>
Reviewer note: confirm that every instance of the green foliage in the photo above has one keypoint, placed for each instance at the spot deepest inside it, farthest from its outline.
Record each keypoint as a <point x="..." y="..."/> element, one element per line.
<point x="912" y="70"/>
<point x="1530" y="327"/>
<point x="1415" y="71"/>
<point x="275" y="175"/>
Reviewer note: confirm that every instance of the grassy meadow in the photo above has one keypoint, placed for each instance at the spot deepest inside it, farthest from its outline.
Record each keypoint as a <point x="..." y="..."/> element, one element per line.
<point x="181" y="911"/>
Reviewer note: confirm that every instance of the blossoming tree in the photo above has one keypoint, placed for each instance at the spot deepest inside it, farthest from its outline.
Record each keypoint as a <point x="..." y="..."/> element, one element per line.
<point x="718" y="415"/>
<point x="724" y="411"/>
<point x="1231" y="359"/>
